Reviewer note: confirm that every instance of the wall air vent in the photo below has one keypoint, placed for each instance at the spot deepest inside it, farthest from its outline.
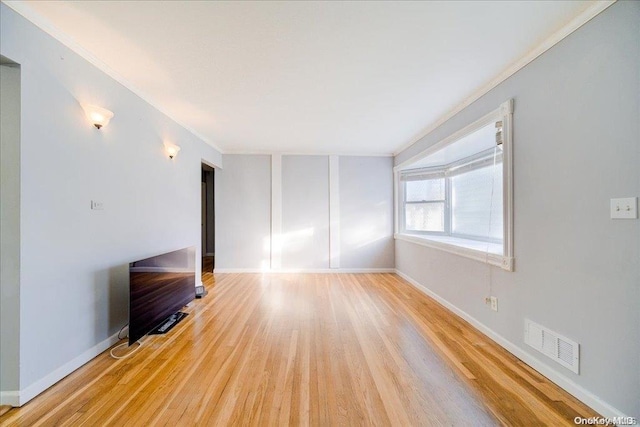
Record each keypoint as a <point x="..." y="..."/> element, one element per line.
<point x="553" y="345"/>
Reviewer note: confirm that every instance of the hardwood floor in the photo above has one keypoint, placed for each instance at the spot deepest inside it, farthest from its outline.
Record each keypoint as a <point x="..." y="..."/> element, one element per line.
<point x="207" y="264"/>
<point x="313" y="349"/>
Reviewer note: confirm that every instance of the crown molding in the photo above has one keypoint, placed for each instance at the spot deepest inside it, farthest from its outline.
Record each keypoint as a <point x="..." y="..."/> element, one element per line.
<point x="571" y="26"/>
<point x="597" y="7"/>
<point x="309" y="153"/>
<point x="23" y="9"/>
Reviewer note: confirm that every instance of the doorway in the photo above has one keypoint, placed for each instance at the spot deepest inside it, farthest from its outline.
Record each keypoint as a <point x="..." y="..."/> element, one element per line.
<point x="10" y="164"/>
<point x="208" y="219"/>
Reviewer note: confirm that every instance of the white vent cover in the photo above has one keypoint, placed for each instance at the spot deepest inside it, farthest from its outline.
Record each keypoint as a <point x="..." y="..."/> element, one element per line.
<point x="561" y="349"/>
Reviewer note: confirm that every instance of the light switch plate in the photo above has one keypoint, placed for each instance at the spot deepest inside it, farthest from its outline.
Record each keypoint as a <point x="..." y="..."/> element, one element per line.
<point x="97" y="206"/>
<point x="625" y="208"/>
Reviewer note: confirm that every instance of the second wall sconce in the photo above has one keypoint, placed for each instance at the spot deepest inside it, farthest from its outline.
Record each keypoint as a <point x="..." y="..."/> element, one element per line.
<point x="98" y="116"/>
<point x="171" y="149"/>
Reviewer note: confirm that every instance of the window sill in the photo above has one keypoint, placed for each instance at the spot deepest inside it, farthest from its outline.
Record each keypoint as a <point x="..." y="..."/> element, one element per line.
<point x="467" y="248"/>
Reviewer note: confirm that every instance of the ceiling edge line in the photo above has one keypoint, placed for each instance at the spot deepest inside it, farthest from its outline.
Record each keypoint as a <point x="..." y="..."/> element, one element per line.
<point x="310" y="153"/>
<point x="45" y="25"/>
<point x="555" y="38"/>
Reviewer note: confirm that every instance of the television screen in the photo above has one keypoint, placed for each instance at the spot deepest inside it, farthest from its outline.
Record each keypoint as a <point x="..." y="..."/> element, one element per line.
<point x="158" y="287"/>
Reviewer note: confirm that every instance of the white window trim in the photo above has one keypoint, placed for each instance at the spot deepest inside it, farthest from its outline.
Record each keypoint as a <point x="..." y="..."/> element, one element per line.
<point x="506" y="261"/>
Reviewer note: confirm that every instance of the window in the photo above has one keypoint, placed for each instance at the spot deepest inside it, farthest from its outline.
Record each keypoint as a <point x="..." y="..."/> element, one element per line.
<point x="425" y="204"/>
<point x="456" y="195"/>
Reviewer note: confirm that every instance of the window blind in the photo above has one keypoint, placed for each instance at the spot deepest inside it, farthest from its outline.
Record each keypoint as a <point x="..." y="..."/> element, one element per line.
<point x="476" y="203"/>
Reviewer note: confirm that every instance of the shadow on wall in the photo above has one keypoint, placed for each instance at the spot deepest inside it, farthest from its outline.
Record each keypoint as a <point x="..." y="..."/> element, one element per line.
<point x="111" y="290"/>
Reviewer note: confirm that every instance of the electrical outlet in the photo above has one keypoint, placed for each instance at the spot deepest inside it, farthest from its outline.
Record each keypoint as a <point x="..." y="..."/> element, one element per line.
<point x="97" y="206"/>
<point x="626" y="208"/>
<point x="494" y="303"/>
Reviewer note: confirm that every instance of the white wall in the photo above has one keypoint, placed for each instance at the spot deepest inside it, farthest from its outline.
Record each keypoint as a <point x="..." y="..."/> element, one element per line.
<point x="73" y="261"/>
<point x="366" y="212"/>
<point x="305" y="212"/>
<point x="244" y="212"/>
<point x="576" y="145"/>
<point x="9" y="227"/>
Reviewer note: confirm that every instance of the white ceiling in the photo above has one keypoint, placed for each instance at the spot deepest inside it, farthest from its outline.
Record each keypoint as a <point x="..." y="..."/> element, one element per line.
<point x="332" y="77"/>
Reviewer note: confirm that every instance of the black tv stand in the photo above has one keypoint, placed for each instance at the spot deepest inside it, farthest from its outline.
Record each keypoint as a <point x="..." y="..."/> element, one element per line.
<point x="168" y="323"/>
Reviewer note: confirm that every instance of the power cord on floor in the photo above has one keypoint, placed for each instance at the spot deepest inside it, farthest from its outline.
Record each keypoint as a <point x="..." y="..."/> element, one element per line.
<point x="120" y="331"/>
<point x="123" y="345"/>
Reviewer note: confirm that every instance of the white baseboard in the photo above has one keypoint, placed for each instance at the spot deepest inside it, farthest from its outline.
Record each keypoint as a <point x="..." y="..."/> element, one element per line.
<point x="11" y="398"/>
<point x="19" y="398"/>
<point x="305" y="270"/>
<point x="554" y="376"/>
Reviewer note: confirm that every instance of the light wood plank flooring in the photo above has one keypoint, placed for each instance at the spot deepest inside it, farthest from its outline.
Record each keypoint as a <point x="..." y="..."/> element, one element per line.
<point x="312" y="349"/>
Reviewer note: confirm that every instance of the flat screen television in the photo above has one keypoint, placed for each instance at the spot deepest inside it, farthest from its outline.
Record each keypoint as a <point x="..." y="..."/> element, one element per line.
<point x="158" y="287"/>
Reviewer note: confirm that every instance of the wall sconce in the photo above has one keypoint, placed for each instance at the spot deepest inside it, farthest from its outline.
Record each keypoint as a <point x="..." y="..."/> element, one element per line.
<point x="98" y="116"/>
<point x="171" y="149"/>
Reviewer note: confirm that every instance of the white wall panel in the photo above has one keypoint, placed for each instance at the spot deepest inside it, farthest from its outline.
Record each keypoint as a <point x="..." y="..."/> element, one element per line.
<point x="305" y="212"/>
<point x="366" y="212"/>
<point x="243" y="212"/>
